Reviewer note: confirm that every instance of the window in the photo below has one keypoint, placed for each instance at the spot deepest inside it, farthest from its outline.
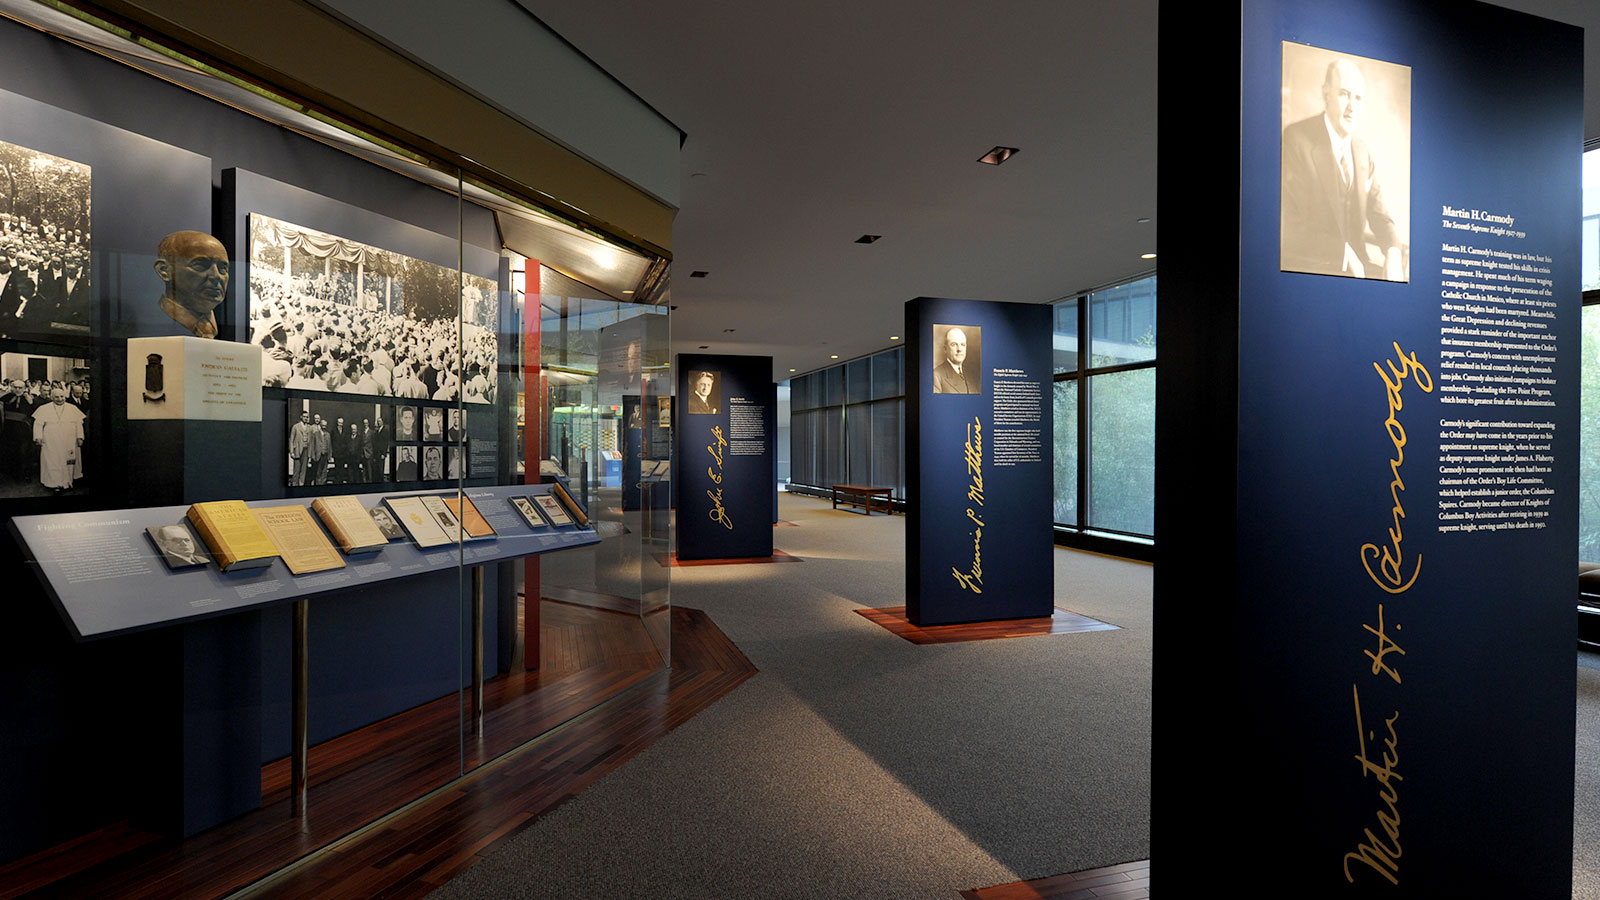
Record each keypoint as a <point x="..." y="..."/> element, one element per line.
<point x="848" y="422"/>
<point x="1105" y="390"/>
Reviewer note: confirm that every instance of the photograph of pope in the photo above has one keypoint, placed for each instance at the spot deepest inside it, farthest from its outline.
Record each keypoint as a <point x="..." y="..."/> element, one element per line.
<point x="1346" y="168"/>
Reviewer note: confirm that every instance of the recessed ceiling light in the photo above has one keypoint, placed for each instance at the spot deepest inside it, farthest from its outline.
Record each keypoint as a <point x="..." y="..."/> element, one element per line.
<point x="894" y="337"/>
<point x="699" y="273"/>
<point x="998" y="155"/>
<point x="791" y="370"/>
<point x="705" y="346"/>
<point x="1143" y="220"/>
<point x="1147" y="256"/>
<point x="835" y="356"/>
<point x="868" y="238"/>
<point x="627" y="292"/>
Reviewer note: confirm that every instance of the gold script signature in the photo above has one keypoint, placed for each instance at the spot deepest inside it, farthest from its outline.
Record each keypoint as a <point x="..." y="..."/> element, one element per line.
<point x="972" y="579"/>
<point x="719" y="513"/>
<point x="1391" y="561"/>
<point x="1377" y="854"/>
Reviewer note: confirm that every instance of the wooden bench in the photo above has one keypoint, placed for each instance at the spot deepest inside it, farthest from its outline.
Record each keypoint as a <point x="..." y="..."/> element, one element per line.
<point x="862" y="495"/>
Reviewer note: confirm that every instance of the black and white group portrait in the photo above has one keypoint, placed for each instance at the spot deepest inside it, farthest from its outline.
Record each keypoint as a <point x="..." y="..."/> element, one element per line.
<point x="333" y="314"/>
<point x="1346" y="165"/>
<point x="44" y="245"/>
<point x="705" y="392"/>
<point x="44" y="412"/>
<point x="337" y="442"/>
<point x="956" y="356"/>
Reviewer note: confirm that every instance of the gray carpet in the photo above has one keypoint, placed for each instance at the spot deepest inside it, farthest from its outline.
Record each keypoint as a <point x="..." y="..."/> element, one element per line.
<point x="858" y="765"/>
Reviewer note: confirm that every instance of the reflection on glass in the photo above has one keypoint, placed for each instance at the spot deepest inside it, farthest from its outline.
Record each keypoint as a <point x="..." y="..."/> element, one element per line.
<point x="1122" y="324"/>
<point x="1591" y="221"/>
<point x="1066" y="452"/>
<point x="1064" y="341"/>
<point x="1122" y="443"/>
<point x="1589" y="440"/>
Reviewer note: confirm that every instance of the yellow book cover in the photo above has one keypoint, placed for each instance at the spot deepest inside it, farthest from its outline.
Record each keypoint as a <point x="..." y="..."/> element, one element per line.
<point x="472" y="521"/>
<point x="301" y="543"/>
<point x="233" y="534"/>
<point x="349" y="523"/>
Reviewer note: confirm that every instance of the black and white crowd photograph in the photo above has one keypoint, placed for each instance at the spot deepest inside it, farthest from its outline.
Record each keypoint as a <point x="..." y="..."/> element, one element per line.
<point x="333" y="314"/>
<point x="44" y="245"/>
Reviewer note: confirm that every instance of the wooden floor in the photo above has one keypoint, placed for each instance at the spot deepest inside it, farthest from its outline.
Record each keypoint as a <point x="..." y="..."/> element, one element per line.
<point x="591" y="655"/>
<point x="1128" y="881"/>
<point x="893" y="618"/>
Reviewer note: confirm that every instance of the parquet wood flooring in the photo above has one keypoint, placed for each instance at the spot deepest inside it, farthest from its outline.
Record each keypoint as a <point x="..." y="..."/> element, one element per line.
<point x="1127" y="881"/>
<point x="893" y="619"/>
<point x="357" y="778"/>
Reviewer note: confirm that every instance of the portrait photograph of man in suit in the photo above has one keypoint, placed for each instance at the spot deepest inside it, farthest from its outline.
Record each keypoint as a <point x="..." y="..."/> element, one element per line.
<point x="705" y="393"/>
<point x="957" y="359"/>
<point x="1345" y="205"/>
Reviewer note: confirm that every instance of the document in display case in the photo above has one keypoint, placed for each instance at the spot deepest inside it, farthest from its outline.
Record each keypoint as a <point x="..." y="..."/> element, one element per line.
<point x="300" y="542"/>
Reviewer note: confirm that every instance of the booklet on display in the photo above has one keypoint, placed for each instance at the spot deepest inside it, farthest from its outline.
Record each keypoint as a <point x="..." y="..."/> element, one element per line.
<point x="473" y="523"/>
<point x="300" y="541"/>
<point x="418" y="522"/>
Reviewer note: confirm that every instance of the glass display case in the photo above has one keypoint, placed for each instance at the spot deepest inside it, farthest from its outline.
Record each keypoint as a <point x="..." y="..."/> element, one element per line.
<point x="317" y="452"/>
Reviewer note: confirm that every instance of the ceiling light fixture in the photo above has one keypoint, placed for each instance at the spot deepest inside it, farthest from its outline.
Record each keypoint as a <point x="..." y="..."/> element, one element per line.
<point x="699" y="273"/>
<point x="894" y="337"/>
<point x="791" y="370"/>
<point x="835" y="356"/>
<point x="1147" y="256"/>
<point x="1143" y="220"/>
<point x="998" y="155"/>
<point x="705" y="346"/>
<point x="868" y="238"/>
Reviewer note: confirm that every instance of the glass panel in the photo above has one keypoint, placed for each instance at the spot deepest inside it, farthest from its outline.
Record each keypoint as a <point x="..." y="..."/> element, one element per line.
<point x="784" y="440"/>
<point x="1122" y="442"/>
<point x="834" y="379"/>
<point x="1066" y="452"/>
<point x="1122" y="324"/>
<point x="886" y="430"/>
<point x="858" y="427"/>
<point x="1591" y="221"/>
<point x="886" y="374"/>
<point x="1589" y="440"/>
<point x="830" y="446"/>
<point x="858" y="380"/>
<point x="1064" y="341"/>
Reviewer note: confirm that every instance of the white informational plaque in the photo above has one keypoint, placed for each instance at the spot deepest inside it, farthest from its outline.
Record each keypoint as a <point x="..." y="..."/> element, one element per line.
<point x="193" y="378"/>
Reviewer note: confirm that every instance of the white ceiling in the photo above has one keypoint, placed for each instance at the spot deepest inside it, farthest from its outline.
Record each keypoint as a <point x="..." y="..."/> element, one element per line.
<point x="811" y="124"/>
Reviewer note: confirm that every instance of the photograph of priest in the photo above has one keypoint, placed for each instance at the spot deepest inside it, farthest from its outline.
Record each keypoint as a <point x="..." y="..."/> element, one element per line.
<point x="1335" y="218"/>
<point x="58" y="430"/>
<point x="958" y="371"/>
